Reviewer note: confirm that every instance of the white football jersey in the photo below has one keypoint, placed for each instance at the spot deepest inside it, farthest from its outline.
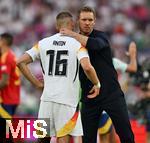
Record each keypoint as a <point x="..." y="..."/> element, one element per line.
<point x="120" y="65"/>
<point x="59" y="56"/>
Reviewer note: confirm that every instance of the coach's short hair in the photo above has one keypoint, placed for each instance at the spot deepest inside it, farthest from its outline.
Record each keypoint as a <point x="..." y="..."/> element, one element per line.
<point x="61" y="18"/>
<point x="86" y="9"/>
<point x="8" y="38"/>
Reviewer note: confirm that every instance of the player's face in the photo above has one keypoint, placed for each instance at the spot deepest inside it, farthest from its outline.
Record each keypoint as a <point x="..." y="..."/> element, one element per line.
<point x="86" y="22"/>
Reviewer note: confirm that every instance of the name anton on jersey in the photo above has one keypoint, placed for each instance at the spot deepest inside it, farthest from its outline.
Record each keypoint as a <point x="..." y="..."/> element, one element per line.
<point x="59" y="43"/>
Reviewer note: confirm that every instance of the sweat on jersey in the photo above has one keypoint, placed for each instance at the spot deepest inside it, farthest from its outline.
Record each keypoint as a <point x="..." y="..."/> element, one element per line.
<point x="59" y="56"/>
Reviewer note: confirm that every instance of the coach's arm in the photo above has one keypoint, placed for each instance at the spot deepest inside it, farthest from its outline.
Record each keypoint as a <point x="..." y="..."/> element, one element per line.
<point x="92" y="76"/>
<point x="98" y="42"/>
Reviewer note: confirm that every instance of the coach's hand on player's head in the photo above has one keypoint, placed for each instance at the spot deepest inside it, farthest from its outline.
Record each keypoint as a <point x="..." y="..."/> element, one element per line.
<point x="94" y="92"/>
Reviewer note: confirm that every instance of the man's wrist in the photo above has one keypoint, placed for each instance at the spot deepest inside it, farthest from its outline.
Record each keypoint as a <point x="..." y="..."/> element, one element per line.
<point x="98" y="85"/>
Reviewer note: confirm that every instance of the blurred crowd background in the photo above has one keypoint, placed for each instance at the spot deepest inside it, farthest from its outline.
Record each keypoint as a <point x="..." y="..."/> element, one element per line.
<point x="123" y="20"/>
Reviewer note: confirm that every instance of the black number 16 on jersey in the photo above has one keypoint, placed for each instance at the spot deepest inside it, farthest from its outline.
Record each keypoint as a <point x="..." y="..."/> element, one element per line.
<point x="60" y="68"/>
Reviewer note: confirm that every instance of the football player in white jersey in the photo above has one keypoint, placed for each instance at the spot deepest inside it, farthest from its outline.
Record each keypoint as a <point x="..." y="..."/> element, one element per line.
<point x="59" y="56"/>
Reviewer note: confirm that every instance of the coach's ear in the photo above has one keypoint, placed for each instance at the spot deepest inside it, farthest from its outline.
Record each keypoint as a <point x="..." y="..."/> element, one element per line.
<point x="94" y="21"/>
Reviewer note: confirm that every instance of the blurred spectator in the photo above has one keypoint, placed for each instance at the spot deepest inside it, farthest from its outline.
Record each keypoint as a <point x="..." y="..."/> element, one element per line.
<point x="141" y="109"/>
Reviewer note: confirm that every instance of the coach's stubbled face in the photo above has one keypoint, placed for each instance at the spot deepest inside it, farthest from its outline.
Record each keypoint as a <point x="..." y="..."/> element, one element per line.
<point x="86" y="22"/>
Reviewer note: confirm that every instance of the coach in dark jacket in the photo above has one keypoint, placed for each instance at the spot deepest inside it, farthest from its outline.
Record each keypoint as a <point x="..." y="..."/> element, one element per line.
<point x="111" y="98"/>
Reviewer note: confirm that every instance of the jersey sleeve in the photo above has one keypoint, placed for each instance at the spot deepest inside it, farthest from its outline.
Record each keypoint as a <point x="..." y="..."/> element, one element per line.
<point x="82" y="53"/>
<point x="34" y="52"/>
<point x="119" y="65"/>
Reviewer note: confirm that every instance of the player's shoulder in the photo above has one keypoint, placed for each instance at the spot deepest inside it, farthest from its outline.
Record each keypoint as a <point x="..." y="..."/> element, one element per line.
<point x="46" y="39"/>
<point x="9" y="57"/>
<point x="60" y="37"/>
<point x="10" y="54"/>
<point x="116" y="60"/>
<point x="51" y="38"/>
<point x="72" y="41"/>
